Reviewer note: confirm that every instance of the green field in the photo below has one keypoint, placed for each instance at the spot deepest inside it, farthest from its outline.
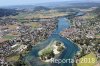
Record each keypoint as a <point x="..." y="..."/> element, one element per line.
<point x="98" y="34"/>
<point x="34" y="24"/>
<point x="8" y="37"/>
<point x="88" y="60"/>
<point x="13" y="58"/>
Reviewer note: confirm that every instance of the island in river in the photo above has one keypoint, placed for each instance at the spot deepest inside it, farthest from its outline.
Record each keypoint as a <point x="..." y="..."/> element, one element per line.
<point x="26" y="32"/>
<point x="51" y="51"/>
<point x="34" y="34"/>
<point x="33" y="58"/>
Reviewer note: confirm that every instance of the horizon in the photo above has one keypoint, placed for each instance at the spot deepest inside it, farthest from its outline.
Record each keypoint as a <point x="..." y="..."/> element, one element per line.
<point x="34" y="2"/>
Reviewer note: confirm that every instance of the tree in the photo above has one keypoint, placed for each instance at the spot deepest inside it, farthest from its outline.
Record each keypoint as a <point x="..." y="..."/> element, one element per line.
<point x="58" y="43"/>
<point x="29" y="47"/>
<point x="60" y="48"/>
<point x="20" y="62"/>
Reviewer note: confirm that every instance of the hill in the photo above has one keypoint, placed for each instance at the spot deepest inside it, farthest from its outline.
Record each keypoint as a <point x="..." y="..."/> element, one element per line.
<point x="8" y="12"/>
<point x="38" y="8"/>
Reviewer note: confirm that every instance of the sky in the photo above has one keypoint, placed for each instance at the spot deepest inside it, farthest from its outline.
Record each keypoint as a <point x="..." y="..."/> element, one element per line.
<point x="31" y="2"/>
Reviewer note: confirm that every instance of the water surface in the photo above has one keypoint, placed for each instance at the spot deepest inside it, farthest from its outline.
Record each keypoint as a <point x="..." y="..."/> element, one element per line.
<point x="32" y="57"/>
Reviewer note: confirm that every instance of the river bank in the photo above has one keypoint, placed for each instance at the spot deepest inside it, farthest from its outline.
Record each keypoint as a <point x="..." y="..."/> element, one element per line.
<point x="71" y="50"/>
<point x="53" y="50"/>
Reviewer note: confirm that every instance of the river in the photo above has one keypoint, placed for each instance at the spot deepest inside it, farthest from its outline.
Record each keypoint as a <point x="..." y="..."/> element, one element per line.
<point x="68" y="53"/>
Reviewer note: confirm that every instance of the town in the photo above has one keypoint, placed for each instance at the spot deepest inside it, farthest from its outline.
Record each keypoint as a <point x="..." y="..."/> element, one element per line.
<point x="17" y="37"/>
<point x="31" y="35"/>
<point x="85" y="32"/>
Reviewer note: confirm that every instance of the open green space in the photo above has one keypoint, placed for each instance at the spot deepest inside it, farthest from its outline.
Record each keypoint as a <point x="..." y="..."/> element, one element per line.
<point x="88" y="60"/>
<point x="8" y="37"/>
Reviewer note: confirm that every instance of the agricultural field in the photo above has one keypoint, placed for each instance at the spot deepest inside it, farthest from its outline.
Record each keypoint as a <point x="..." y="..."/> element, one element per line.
<point x="40" y="14"/>
<point x="88" y="60"/>
<point x="8" y="37"/>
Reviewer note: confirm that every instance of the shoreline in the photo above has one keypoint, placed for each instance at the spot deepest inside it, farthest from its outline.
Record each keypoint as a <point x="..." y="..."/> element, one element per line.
<point x="54" y="48"/>
<point x="59" y="35"/>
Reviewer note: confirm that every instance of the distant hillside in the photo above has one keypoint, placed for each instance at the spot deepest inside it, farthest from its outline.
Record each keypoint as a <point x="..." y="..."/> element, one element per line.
<point x="63" y="4"/>
<point x="86" y="5"/>
<point x="38" y="8"/>
<point x="70" y="4"/>
<point x="20" y="7"/>
<point x="97" y="11"/>
<point x="7" y="12"/>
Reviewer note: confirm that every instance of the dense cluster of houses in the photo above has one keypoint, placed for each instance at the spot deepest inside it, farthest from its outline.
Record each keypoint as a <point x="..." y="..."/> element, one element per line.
<point x="20" y="35"/>
<point x="83" y="32"/>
